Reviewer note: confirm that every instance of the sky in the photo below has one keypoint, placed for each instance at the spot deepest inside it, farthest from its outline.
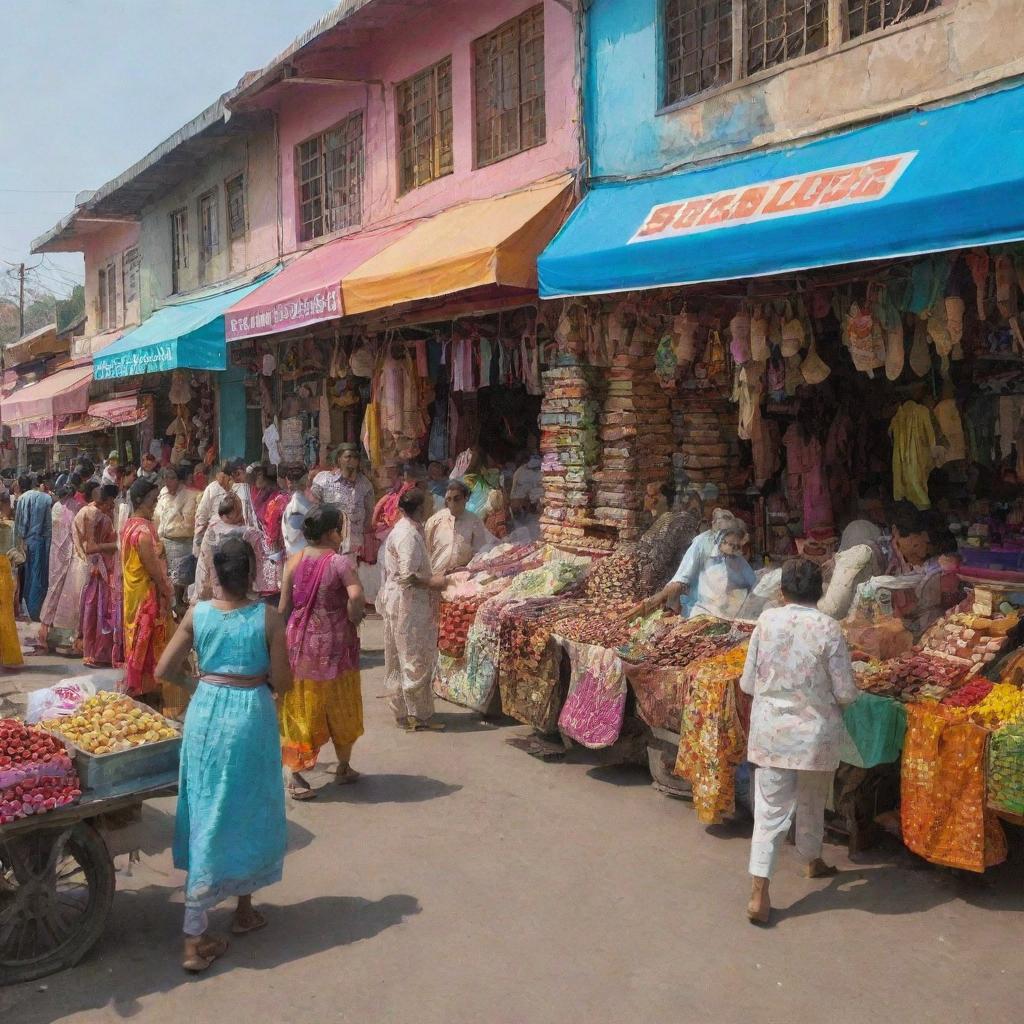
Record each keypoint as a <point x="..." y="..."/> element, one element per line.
<point x="90" y="86"/>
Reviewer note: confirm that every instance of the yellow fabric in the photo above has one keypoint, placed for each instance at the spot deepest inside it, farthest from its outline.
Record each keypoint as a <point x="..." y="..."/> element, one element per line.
<point x="137" y="587"/>
<point x="10" y="645"/>
<point x="486" y="242"/>
<point x="913" y="448"/>
<point x="314" y="711"/>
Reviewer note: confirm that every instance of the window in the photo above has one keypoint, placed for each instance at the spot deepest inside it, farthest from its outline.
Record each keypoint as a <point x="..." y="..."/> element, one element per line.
<point x="179" y="246"/>
<point x="234" y="190"/>
<point x="209" y="226"/>
<point x="779" y="30"/>
<point x="129" y="277"/>
<point x="698" y="46"/>
<point x="330" y="177"/>
<point x="425" y="126"/>
<point x="863" y="16"/>
<point x="101" y="294"/>
<point x="508" y="73"/>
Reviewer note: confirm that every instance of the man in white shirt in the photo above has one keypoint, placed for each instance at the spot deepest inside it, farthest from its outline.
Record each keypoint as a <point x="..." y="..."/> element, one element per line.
<point x="175" y="520"/>
<point x="347" y="488"/>
<point x="454" y="536"/>
<point x="110" y="468"/>
<point x="206" y="512"/>
<point x="296" y="509"/>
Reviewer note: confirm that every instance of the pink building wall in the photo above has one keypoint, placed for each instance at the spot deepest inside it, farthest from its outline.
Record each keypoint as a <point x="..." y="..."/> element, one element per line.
<point x="100" y="248"/>
<point x="450" y="28"/>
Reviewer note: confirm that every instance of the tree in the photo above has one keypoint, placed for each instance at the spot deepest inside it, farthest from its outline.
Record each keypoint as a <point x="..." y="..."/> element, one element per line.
<point x="71" y="308"/>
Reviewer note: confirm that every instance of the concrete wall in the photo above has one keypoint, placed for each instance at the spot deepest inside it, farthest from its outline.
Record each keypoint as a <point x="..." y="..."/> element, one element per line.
<point x="255" y="156"/>
<point x="963" y="45"/>
<point x="100" y="249"/>
<point x="451" y="29"/>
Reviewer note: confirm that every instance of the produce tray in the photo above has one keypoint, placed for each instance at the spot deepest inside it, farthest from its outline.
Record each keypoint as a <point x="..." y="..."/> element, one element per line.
<point x="100" y="774"/>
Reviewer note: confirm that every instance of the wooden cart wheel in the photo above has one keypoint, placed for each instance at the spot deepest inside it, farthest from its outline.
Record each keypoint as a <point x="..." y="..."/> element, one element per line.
<point x="56" y="887"/>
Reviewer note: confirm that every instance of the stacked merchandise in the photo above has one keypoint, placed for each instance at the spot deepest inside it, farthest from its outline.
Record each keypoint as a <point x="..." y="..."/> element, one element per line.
<point x="568" y="443"/>
<point x="636" y="435"/>
<point x="36" y="774"/>
<point x="708" y="442"/>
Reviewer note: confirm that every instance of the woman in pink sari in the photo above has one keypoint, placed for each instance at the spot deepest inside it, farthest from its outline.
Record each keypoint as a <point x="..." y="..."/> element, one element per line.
<point x="323" y="602"/>
<point x="58" y="619"/>
<point x="96" y="547"/>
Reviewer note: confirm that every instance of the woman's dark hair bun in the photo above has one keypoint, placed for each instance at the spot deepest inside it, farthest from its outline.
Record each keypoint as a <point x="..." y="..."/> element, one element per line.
<point x="232" y="562"/>
<point x="320" y="521"/>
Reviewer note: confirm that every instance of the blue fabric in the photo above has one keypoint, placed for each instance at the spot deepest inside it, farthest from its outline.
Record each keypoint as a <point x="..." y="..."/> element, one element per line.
<point x="187" y="336"/>
<point x="32" y="526"/>
<point x="231" y="643"/>
<point x="230" y="833"/>
<point x="875" y="727"/>
<point x="961" y="188"/>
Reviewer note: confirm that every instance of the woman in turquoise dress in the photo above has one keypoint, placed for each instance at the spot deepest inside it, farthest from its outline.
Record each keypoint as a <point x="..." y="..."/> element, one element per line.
<point x="230" y="829"/>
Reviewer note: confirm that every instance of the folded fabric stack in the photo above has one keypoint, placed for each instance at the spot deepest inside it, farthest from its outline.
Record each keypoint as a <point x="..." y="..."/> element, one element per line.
<point x="636" y="434"/>
<point x="708" y="448"/>
<point x="569" y="445"/>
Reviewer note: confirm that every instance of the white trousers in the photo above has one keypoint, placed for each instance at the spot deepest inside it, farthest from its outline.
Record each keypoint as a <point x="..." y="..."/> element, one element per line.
<point x="779" y="794"/>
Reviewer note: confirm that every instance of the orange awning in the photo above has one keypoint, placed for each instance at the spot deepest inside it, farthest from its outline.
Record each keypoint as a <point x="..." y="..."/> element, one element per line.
<point x="477" y="244"/>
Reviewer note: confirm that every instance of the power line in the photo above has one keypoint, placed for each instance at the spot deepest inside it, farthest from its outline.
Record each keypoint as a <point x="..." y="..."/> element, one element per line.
<point x="43" y="191"/>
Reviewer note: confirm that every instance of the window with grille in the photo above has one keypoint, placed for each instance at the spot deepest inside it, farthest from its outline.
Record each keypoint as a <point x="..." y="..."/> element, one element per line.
<point x="130" y="277"/>
<point x="179" y="246"/>
<point x="424" y="104"/>
<point x="209" y="226"/>
<point x="698" y="46"/>
<point x="329" y="168"/>
<point x="234" y="190"/>
<point x="508" y="77"/>
<point x="779" y="30"/>
<point x="863" y="16"/>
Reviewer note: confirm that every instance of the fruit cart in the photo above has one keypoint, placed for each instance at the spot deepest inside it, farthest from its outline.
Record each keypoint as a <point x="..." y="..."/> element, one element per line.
<point x="57" y="862"/>
<point x="57" y="877"/>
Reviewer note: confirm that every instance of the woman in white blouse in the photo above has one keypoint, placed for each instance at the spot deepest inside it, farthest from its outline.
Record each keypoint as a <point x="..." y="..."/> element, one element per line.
<point x="798" y="671"/>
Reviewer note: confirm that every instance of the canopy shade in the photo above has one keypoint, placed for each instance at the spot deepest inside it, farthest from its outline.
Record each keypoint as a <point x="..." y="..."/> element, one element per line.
<point x="485" y="242"/>
<point x="43" y="342"/>
<point x="36" y="409"/>
<point x="926" y="181"/>
<point x="188" y="336"/>
<point x="308" y="290"/>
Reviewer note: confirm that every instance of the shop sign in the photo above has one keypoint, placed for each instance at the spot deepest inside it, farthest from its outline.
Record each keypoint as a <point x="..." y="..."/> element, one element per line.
<point x="152" y="359"/>
<point x="297" y="311"/>
<point x="813" y="192"/>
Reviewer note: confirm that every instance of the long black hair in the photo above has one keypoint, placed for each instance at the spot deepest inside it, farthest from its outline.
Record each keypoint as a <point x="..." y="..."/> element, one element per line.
<point x="233" y="563"/>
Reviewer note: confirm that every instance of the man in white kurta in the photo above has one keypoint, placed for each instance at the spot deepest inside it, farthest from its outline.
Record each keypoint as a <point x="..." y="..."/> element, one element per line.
<point x="455" y="536"/>
<point x="799" y="673"/>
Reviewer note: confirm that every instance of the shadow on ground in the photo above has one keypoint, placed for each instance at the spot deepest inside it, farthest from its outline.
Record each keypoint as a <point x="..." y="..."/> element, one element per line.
<point x="142" y="957"/>
<point x="382" y="789"/>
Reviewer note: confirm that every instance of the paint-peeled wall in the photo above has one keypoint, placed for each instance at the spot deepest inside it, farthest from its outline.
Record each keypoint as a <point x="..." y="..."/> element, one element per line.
<point x="450" y="29"/>
<point x="105" y="250"/>
<point x="255" y="157"/>
<point x="963" y="45"/>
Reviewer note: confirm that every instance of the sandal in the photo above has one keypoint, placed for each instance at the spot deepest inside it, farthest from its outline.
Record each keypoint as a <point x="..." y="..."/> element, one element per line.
<point x="428" y="726"/>
<point x="301" y="792"/>
<point x="256" y="922"/>
<point x="346" y="776"/>
<point x="206" y="951"/>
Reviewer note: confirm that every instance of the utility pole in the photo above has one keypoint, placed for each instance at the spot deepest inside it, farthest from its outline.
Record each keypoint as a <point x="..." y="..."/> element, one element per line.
<point x="21" y="300"/>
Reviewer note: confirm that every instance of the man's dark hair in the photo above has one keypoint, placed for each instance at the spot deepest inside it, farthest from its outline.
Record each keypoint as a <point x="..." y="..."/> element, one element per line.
<point x="907" y="519"/>
<point x="85" y="466"/>
<point x="801" y="581"/>
<point x="108" y="492"/>
<point x="26" y="483"/>
<point x="458" y="485"/>
<point x="184" y="471"/>
<point x="227" y="504"/>
<point x="411" y="501"/>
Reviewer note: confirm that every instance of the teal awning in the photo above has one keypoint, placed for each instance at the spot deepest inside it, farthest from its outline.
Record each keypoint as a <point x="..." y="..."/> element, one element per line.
<point x="187" y="336"/>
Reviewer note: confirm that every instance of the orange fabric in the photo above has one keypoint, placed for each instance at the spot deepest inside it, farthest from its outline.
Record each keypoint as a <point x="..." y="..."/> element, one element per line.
<point x="943" y="812"/>
<point x="486" y="242"/>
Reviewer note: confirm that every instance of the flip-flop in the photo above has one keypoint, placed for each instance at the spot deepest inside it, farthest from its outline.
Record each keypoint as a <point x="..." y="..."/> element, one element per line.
<point x="258" y="922"/>
<point x="301" y="792"/>
<point x="214" y="949"/>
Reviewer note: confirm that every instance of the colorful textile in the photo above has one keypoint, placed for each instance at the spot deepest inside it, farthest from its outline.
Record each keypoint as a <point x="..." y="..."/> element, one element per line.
<point x="206" y="582"/>
<point x="322" y="642"/>
<point x="230" y="831"/>
<point x="314" y="711"/>
<point x="10" y="645"/>
<point x="799" y="673"/>
<point x="875" y="728"/>
<point x="596" y="702"/>
<point x="913" y="445"/>
<point x="386" y="512"/>
<point x="410" y="626"/>
<point x="1006" y="770"/>
<point x="712" y="740"/>
<point x="354" y="498"/>
<point x="942" y="791"/>
<point x="60" y="609"/>
<point x="146" y="625"/>
<point x="660" y="694"/>
<point x="97" y="609"/>
<point x="806" y="483"/>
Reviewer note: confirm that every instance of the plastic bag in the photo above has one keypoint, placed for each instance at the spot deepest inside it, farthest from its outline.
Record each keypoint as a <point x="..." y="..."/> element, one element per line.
<point x="59" y="700"/>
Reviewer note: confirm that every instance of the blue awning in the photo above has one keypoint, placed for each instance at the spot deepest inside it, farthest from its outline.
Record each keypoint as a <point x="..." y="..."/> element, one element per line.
<point x="926" y="181"/>
<point x="186" y="336"/>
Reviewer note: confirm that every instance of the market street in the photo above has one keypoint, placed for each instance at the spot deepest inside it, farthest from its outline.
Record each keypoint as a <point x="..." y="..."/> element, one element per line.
<point x="464" y="881"/>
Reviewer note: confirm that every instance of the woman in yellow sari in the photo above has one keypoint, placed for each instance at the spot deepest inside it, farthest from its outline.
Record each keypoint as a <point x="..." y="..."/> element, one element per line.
<point x="147" y="593"/>
<point x="10" y="645"/>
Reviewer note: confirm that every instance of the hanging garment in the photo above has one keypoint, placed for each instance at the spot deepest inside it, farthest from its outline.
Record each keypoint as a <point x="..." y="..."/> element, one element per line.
<point x="954" y="445"/>
<point x="1011" y="411"/>
<point x="913" y="442"/>
<point x="978" y="263"/>
<point x="981" y="429"/>
<point x="920" y="355"/>
<point x="271" y="438"/>
<point x="805" y="476"/>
